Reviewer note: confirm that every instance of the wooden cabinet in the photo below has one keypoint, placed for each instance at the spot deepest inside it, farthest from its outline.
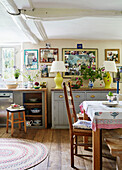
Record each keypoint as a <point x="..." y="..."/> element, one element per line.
<point x="59" y="114"/>
<point x="35" y="103"/>
<point x="36" y="108"/>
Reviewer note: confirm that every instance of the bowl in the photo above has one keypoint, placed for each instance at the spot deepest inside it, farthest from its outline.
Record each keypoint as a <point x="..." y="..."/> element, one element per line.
<point x="37" y="122"/>
<point x="33" y="100"/>
<point x="11" y="86"/>
<point x="36" y="87"/>
<point x="35" y="110"/>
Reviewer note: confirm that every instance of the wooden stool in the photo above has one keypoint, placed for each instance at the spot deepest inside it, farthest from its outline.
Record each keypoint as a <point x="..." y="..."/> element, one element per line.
<point x="115" y="146"/>
<point x="12" y="120"/>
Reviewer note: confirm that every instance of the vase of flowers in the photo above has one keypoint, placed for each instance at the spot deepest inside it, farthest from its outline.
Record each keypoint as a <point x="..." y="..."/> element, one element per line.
<point x="30" y="76"/>
<point x="76" y="82"/>
<point x="91" y="74"/>
<point x="90" y="85"/>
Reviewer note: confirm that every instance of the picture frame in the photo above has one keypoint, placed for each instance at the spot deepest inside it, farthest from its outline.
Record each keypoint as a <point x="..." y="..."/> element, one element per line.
<point x="48" y="55"/>
<point x="115" y="75"/>
<point x="31" y="59"/>
<point x="112" y="55"/>
<point x="74" y="57"/>
<point x="45" y="71"/>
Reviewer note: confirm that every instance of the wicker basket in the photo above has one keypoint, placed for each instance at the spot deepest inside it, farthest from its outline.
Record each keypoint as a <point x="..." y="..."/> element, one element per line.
<point x="11" y="86"/>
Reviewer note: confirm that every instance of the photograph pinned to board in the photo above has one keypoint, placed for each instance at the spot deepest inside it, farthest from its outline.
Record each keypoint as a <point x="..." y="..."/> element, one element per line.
<point x="74" y="58"/>
<point x="48" y="55"/>
<point x="31" y="59"/>
<point x="112" y="55"/>
<point x="45" y="71"/>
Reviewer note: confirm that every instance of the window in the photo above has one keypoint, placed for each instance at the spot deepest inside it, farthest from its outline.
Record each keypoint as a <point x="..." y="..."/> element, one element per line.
<point x="8" y="61"/>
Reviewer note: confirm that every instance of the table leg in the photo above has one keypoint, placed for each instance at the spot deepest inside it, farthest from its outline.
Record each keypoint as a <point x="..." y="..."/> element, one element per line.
<point x="96" y="140"/>
<point x="85" y="138"/>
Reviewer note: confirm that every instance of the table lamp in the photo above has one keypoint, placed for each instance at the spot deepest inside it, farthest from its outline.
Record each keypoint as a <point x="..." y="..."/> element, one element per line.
<point x="110" y="66"/>
<point x="58" y="66"/>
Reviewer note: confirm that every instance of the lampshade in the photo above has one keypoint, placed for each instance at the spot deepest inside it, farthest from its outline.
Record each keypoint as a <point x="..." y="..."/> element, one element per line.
<point x="110" y="66"/>
<point x="58" y="66"/>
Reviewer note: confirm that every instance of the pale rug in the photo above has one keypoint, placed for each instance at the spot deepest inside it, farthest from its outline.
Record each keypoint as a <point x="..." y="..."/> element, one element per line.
<point x="21" y="154"/>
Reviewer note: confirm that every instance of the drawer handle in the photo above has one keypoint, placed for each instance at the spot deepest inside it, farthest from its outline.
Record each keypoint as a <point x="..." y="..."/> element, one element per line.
<point x="92" y="96"/>
<point x="61" y="96"/>
<point x="77" y="96"/>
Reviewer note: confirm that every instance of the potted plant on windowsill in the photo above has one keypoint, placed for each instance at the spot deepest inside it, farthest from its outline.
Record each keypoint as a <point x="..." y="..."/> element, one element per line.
<point x="17" y="73"/>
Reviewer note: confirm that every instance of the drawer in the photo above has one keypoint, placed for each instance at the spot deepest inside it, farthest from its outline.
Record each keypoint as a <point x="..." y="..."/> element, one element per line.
<point x="96" y="96"/>
<point x="59" y="96"/>
<point x="78" y="96"/>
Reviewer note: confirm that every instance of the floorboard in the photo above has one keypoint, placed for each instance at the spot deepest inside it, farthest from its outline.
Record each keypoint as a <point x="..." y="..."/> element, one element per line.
<point x="58" y="144"/>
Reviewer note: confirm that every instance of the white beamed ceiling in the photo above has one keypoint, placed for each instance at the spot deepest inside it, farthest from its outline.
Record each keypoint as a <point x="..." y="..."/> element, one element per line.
<point x="83" y="28"/>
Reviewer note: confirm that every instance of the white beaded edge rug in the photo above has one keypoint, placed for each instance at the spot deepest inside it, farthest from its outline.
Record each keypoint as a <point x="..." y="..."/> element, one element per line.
<point x="21" y="154"/>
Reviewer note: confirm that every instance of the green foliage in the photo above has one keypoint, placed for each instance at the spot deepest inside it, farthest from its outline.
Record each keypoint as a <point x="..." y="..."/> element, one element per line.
<point x="110" y="93"/>
<point x="89" y="73"/>
<point x="17" y="73"/>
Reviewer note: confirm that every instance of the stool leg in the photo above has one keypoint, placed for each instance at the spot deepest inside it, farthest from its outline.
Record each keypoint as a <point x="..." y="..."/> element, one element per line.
<point x="24" y="121"/>
<point x="7" y="121"/>
<point x="19" y="120"/>
<point x="12" y="123"/>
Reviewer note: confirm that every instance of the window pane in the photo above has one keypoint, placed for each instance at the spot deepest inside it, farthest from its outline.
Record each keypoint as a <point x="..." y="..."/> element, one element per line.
<point x="7" y="63"/>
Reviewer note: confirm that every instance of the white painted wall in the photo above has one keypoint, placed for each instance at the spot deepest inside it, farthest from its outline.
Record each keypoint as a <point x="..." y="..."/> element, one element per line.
<point x="100" y="44"/>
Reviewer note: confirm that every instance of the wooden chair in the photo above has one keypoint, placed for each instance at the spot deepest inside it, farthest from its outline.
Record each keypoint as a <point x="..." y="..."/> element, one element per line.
<point x="19" y="120"/>
<point x="115" y="146"/>
<point x="74" y="132"/>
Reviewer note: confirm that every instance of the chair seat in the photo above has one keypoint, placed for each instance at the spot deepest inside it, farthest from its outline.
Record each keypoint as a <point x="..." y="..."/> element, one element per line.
<point x="82" y="124"/>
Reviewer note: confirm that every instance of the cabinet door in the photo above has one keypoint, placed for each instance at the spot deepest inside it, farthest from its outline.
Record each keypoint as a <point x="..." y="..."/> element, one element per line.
<point x="78" y="97"/>
<point x="59" y="113"/>
<point x="60" y="117"/>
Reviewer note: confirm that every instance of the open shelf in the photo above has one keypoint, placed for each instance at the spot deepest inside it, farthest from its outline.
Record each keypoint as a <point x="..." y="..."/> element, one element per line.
<point x="33" y="101"/>
<point x="33" y="116"/>
<point x="33" y="104"/>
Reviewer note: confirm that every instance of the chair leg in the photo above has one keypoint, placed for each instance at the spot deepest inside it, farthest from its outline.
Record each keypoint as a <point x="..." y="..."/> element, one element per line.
<point x="7" y="122"/>
<point x="72" y="151"/>
<point x="76" y="145"/>
<point x="19" y="120"/>
<point x="12" y="123"/>
<point x="24" y="121"/>
<point x="85" y="139"/>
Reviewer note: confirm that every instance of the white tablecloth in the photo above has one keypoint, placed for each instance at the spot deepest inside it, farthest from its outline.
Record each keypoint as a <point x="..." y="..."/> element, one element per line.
<point x="103" y="116"/>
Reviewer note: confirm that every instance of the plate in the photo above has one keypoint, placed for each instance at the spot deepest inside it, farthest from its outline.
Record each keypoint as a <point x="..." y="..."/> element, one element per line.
<point x="110" y="103"/>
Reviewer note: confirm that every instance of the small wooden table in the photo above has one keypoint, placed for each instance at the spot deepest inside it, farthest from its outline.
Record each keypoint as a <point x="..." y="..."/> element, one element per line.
<point x="102" y="117"/>
<point x="12" y="120"/>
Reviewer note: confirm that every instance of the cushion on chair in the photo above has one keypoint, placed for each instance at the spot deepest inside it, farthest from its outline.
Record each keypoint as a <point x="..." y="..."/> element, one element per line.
<point x="82" y="124"/>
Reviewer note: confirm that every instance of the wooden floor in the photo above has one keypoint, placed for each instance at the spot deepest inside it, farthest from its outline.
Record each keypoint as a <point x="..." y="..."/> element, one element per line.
<point x="58" y="144"/>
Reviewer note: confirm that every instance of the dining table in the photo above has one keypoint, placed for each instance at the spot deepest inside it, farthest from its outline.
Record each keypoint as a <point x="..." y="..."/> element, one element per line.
<point x="103" y="115"/>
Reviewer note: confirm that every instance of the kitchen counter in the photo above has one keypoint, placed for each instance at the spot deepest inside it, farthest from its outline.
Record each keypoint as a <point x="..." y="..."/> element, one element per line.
<point x="22" y="97"/>
<point x="88" y="89"/>
<point x="23" y="89"/>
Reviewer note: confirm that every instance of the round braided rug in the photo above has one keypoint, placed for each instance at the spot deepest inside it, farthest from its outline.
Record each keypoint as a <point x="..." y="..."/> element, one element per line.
<point x="21" y="154"/>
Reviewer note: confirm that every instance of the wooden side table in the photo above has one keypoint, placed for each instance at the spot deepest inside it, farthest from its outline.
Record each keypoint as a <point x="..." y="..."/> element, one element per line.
<point x="12" y="120"/>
